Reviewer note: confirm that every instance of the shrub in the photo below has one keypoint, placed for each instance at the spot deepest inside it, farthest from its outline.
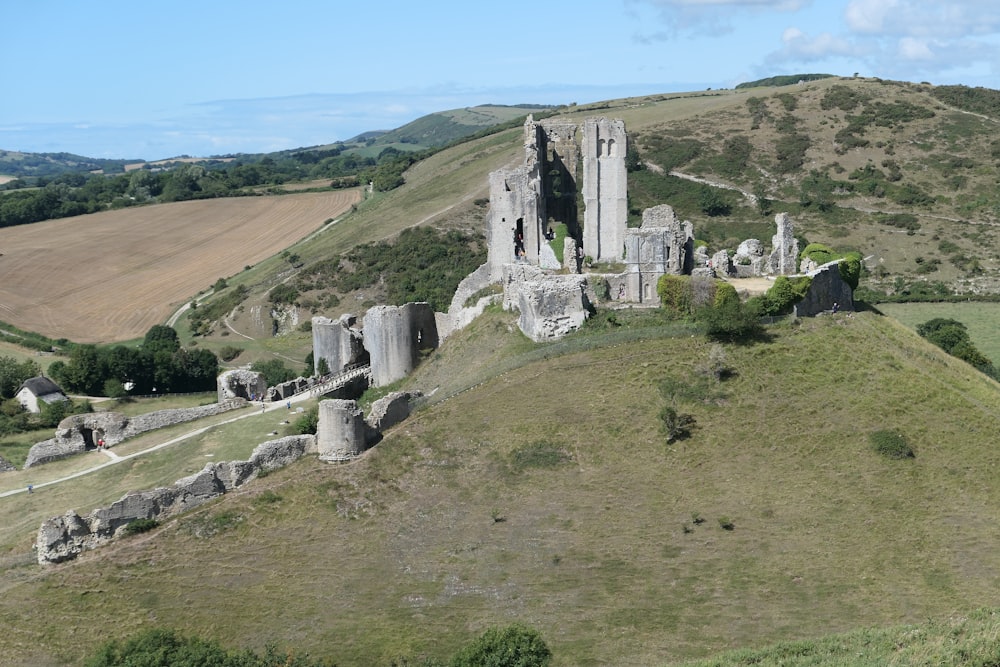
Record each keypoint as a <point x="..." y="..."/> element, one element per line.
<point x="140" y="526"/>
<point x="676" y="425"/>
<point x="891" y="444"/>
<point x="732" y="321"/>
<point x="850" y="269"/>
<point x="229" y="352"/>
<point x="726" y="523"/>
<point x="675" y="294"/>
<point x="514" y="646"/>
<point x="307" y="423"/>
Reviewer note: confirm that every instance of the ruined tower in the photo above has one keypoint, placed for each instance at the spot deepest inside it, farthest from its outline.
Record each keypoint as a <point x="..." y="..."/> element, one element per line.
<point x="605" y="189"/>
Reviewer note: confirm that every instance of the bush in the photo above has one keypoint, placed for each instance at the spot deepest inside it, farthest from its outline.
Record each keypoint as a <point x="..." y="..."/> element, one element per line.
<point x="141" y="526"/>
<point x="307" y="423"/>
<point x="514" y="646"/>
<point x="731" y="321"/>
<point x="229" y="352"/>
<point x="676" y="425"/>
<point x="891" y="444"/>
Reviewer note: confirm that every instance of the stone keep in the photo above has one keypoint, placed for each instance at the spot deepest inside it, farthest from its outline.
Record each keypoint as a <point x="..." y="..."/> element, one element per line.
<point x="605" y="189"/>
<point x="394" y="338"/>
<point x="662" y="245"/>
<point x="338" y="341"/>
<point x="341" y="431"/>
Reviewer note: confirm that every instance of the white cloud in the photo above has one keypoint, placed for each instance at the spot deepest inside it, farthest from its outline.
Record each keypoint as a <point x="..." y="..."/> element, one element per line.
<point x="708" y="17"/>
<point x="800" y="46"/>
<point x="911" y="48"/>
<point x="868" y="16"/>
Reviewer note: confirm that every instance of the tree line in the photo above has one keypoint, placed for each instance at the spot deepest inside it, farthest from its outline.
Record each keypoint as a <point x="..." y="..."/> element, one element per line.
<point x="29" y="200"/>
<point x="158" y="365"/>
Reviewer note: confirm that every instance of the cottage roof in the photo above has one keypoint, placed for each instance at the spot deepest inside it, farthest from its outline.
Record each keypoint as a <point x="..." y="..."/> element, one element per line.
<point x="41" y="386"/>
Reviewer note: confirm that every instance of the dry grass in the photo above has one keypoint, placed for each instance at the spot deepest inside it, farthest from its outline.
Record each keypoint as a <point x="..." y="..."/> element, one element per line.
<point x="110" y="276"/>
<point x="399" y="555"/>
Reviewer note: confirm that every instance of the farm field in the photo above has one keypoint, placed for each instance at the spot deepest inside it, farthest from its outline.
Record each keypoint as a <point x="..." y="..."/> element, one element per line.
<point x="111" y="276"/>
<point x="981" y="319"/>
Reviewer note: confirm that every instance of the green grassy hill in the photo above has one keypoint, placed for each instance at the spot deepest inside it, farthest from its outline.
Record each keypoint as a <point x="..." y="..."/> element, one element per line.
<point x="546" y="493"/>
<point x="536" y="484"/>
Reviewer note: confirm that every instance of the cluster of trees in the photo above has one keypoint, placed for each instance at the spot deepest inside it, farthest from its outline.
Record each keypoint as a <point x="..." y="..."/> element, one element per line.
<point x="513" y="646"/>
<point x="158" y="365"/>
<point x="953" y="337"/>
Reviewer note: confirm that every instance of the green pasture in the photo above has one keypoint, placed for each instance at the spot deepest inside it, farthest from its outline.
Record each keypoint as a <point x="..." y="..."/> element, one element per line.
<point x="981" y="319"/>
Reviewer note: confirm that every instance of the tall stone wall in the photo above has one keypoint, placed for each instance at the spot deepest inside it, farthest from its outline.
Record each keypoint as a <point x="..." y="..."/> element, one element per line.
<point x="516" y="211"/>
<point x="784" y="257"/>
<point x="605" y="189"/>
<point x="338" y="341"/>
<point x="561" y="153"/>
<point x="662" y="245"/>
<point x="827" y="288"/>
<point x="394" y="338"/>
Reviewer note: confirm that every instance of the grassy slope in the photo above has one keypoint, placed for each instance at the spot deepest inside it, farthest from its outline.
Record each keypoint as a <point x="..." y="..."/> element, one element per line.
<point x="398" y="554"/>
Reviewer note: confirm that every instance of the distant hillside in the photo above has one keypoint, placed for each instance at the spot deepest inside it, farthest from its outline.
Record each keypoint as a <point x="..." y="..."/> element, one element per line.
<point x="444" y="127"/>
<point x="783" y="80"/>
<point x="17" y="164"/>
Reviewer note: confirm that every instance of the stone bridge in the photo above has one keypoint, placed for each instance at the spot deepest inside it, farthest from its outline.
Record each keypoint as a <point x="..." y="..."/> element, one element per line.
<point x="331" y="383"/>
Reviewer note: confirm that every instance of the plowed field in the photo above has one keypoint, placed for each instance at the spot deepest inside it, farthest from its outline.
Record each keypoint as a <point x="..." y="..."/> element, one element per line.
<point x="111" y="276"/>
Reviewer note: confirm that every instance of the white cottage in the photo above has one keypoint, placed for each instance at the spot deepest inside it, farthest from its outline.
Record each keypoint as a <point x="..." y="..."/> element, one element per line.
<point x="38" y="389"/>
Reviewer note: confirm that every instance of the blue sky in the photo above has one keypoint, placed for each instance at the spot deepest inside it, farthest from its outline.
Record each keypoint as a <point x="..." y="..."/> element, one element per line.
<point x="154" y="80"/>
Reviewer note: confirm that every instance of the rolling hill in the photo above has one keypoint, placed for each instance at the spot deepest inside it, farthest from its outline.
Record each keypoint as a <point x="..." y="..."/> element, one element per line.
<point x="536" y="483"/>
<point x="516" y="499"/>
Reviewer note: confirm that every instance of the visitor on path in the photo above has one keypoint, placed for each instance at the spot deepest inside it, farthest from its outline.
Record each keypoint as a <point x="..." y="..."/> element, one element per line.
<point x="31" y="488"/>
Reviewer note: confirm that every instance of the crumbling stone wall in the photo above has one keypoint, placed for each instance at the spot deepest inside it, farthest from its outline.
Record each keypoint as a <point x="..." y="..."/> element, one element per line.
<point x="783" y="260"/>
<point x="605" y="189"/>
<point x="338" y="341"/>
<point x="342" y="433"/>
<point x="516" y="212"/>
<point x="280" y="392"/>
<point x="662" y="245"/>
<point x="395" y="337"/>
<point x="550" y="306"/>
<point x="390" y="410"/>
<point x="78" y="433"/>
<point x="241" y="383"/>
<point x="827" y="288"/>
<point x="65" y="537"/>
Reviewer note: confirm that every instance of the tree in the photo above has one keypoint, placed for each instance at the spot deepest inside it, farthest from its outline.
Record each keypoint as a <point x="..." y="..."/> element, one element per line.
<point x="514" y="646"/>
<point x="161" y="337"/>
<point x="13" y="373"/>
<point x="274" y="371"/>
<point x="713" y="203"/>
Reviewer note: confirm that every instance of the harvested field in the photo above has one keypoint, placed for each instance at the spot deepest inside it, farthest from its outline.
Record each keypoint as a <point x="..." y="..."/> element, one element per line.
<point x="111" y="276"/>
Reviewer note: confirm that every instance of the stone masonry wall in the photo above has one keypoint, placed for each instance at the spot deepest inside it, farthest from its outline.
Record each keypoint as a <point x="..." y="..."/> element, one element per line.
<point x="77" y="433"/>
<point x="65" y="537"/>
